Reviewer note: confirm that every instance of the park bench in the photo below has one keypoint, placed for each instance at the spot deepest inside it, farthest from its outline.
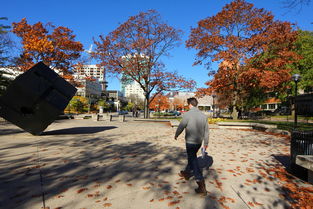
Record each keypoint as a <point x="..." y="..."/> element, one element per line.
<point x="237" y="125"/>
<point x="240" y="125"/>
<point x="306" y="161"/>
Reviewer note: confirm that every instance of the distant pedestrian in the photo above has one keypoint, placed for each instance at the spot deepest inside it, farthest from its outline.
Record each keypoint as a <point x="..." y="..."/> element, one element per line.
<point x="134" y="111"/>
<point x="196" y="128"/>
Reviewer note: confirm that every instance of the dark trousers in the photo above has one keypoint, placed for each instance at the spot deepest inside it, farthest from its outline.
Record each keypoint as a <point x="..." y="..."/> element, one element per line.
<point x="193" y="164"/>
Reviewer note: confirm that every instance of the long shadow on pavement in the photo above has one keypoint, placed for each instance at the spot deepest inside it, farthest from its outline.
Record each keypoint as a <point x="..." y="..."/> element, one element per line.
<point x="82" y="165"/>
<point x="78" y="130"/>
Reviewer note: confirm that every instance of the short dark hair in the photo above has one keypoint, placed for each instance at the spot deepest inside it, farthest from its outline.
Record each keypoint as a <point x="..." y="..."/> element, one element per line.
<point x="193" y="101"/>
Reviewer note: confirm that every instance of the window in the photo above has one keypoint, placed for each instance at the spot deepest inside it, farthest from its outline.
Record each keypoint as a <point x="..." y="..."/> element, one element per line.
<point x="271" y="106"/>
<point x="264" y="106"/>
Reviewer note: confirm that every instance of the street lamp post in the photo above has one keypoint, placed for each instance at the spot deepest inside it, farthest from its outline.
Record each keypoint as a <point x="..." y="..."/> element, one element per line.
<point x="213" y="96"/>
<point x="296" y="78"/>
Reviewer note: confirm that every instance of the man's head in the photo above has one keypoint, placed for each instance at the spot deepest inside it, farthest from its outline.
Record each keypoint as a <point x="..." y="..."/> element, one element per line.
<point x="192" y="101"/>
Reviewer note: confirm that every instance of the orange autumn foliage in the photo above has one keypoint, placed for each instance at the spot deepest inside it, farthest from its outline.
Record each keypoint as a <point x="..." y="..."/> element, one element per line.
<point x="55" y="46"/>
<point x="299" y="196"/>
<point x="160" y="102"/>
<point x="253" y="49"/>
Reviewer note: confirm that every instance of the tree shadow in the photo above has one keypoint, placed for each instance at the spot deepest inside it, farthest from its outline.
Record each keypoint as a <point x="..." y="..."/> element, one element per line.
<point x="271" y="174"/>
<point x="10" y="131"/>
<point x="292" y="168"/>
<point x="284" y="160"/>
<point x="83" y="165"/>
<point x="79" y="130"/>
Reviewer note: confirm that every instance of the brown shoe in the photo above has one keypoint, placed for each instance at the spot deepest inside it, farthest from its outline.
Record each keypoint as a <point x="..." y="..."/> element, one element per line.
<point x="201" y="187"/>
<point x="185" y="174"/>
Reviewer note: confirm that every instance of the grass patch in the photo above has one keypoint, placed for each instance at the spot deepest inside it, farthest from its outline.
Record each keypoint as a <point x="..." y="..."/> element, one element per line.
<point x="283" y="125"/>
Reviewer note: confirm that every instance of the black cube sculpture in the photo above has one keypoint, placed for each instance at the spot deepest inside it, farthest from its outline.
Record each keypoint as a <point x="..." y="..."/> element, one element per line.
<point x="35" y="99"/>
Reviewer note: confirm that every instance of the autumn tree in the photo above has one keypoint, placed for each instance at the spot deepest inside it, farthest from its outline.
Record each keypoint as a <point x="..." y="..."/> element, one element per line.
<point x="4" y="28"/>
<point x="55" y="46"/>
<point x="160" y="102"/>
<point x="5" y="43"/>
<point x="135" y="50"/>
<point x="253" y="49"/>
<point x="178" y="103"/>
<point x="304" y="67"/>
<point x="296" y="4"/>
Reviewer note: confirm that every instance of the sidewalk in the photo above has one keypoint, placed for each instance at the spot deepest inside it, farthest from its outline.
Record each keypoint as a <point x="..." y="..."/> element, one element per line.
<point x="90" y="164"/>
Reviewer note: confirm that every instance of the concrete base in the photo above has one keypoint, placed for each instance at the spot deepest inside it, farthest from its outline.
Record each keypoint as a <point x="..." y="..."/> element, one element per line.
<point x="306" y="161"/>
<point x="236" y="125"/>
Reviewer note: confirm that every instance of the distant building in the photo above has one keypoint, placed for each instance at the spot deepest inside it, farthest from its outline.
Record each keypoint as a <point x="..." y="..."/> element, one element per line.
<point x="271" y="104"/>
<point x="10" y="73"/>
<point x="93" y="71"/>
<point x="204" y="103"/>
<point x="116" y="98"/>
<point x="133" y="90"/>
<point x="89" y="89"/>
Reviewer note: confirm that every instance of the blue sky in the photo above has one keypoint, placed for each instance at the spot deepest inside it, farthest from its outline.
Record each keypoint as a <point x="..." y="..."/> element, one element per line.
<point x="89" y="19"/>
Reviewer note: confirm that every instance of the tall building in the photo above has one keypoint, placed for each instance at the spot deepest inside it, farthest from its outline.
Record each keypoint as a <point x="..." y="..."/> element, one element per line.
<point x="89" y="89"/>
<point x="133" y="90"/>
<point x="93" y="71"/>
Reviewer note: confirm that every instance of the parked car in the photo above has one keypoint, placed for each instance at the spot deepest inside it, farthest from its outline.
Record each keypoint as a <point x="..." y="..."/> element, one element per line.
<point x="174" y="113"/>
<point x="123" y="112"/>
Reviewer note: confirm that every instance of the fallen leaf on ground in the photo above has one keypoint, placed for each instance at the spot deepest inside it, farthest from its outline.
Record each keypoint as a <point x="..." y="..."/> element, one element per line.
<point x="251" y="204"/>
<point x="173" y="203"/>
<point x="169" y="198"/>
<point x="107" y="204"/>
<point x="81" y="190"/>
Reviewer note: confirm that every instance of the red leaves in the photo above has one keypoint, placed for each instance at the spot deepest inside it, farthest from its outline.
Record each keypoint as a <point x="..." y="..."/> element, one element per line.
<point x="300" y="197"/>
<point x="176" y="193"/>
<point x="173" y="203"/>
<point x="159" y="102"/>
<point x="81" y="190"/>
<point x="134" y="49"/>
<point x="56" y="47"/>
<point x="222" y="200"/>
<point x="107" y="204"/>
<point x="254" y="47"/>
<point x="218" y="184"/>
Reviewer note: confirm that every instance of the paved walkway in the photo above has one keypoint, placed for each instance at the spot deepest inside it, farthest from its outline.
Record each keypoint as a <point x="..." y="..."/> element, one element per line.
<point x="89" y="164"/>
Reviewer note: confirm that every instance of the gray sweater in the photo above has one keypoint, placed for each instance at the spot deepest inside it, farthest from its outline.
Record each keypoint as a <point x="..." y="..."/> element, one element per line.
<point x="196" y="127"/>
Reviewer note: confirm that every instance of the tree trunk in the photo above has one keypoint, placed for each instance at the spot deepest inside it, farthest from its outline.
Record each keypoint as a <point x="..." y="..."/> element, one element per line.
<point x="146" y="105"/>
<point x="235" y="112"/>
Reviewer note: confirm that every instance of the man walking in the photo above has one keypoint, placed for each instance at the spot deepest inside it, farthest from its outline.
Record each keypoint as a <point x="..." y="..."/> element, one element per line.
<point x="196" y="128"/>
